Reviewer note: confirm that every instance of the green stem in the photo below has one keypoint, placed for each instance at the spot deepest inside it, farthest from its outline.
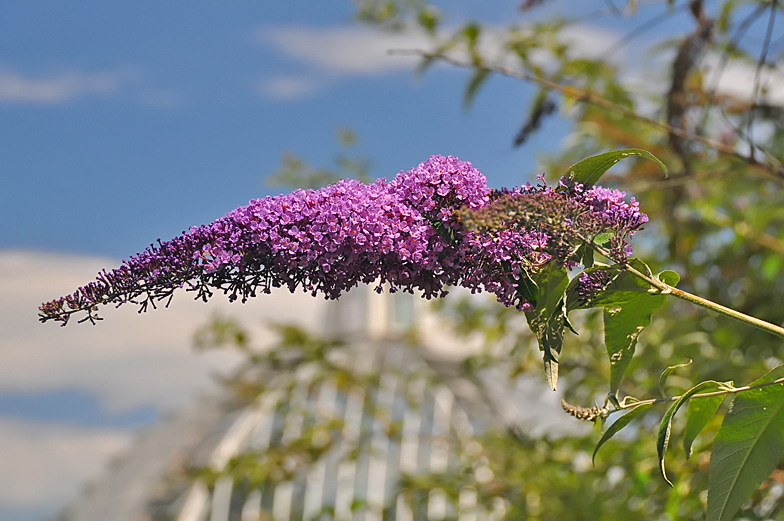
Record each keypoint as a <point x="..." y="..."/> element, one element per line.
<point x="731" y="390"/>
<point x="666" y="289"/>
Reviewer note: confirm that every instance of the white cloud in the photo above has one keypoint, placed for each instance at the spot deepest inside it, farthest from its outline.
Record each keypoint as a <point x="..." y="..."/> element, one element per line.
<point x="127" y="360"/>
<point x="341" y="52"/>
<point x="331" y="53"/>
<point x="290" y="87"/>
<point x="16" y="88"/>
<point x="737" y="81"/>
<point x="44" y="465"/>
<point x="345" y="50"/>
<point x="590" y="41"/>
<point x="56" y="89"/>
<point x="357" y="51"/>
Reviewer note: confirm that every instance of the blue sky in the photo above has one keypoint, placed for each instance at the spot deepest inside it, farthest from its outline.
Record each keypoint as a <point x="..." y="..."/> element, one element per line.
<point x="129" y="122"/>
<point x="123" y="122"/>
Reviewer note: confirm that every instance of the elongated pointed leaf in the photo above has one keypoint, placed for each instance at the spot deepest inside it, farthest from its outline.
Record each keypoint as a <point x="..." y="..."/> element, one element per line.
<point x="591" y="169"/>
<point x="699" y="413"/>
<point x="619" y="424"/>
<point x="747" y="447"/>
<point x="548" y="319"/>
<point x="585" y="254"/>
<point x="477" y="79"/>
<point x="665" y="428"/>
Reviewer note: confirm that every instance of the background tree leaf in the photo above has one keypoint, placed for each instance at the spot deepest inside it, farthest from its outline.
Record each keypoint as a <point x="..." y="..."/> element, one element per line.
<point x="477" y="80"/>
<point x="747" y="447"/>
<point x="619" y="424"/>
<point x="665" y="428"/>
<point x="591" y="169"/>
<point x="548" y="319"/>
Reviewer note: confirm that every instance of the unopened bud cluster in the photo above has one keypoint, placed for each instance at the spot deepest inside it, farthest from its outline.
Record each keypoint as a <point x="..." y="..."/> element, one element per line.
<point x="563" y="217"/>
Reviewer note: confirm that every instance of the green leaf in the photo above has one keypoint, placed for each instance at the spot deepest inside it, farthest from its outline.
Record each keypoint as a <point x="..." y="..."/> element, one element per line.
<point x="477" y="79"/>
<point x="665" y="428"/>
<point x="747" y="447"/>
<point x="591" y="169"/>
<point x="471" y="33"/>
<point x="429" y="19"/>
<point x="667" y="372"/>
<point x="669" y="277"/>
<point x="548" y="319"/>
<point x="585" y="255"/>
<point x="628" y="307"/>
<point x="619" y="424"/>
<point x="700" y="411"/>
<point x="603" y="238"/>
<point x="528" y="288"/>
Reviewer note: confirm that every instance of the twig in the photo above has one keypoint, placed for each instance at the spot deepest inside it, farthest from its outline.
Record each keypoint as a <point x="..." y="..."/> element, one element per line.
<point x="758" y="74"/>
<point x="666" y="289"/>
<point x="772" y="168"/>
<point x="725" y="56"/>
<point x="642" y="29"/>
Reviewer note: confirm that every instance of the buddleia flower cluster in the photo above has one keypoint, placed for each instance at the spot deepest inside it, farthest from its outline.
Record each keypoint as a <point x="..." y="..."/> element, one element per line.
<point x="435" y="226"/>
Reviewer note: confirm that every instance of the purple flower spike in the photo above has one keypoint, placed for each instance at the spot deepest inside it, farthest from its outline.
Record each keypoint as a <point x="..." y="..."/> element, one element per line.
<point x="406" y="232"/>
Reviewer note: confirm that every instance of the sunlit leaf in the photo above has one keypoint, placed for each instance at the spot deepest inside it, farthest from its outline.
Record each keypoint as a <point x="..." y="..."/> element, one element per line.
<point x="619" y="424"/>
<point x="747" y="447"/>
<point x="603" y="238"/>
<point x="591" y="169"/>
<point x="471" y="33"/>
<point x="429" y="19"/>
